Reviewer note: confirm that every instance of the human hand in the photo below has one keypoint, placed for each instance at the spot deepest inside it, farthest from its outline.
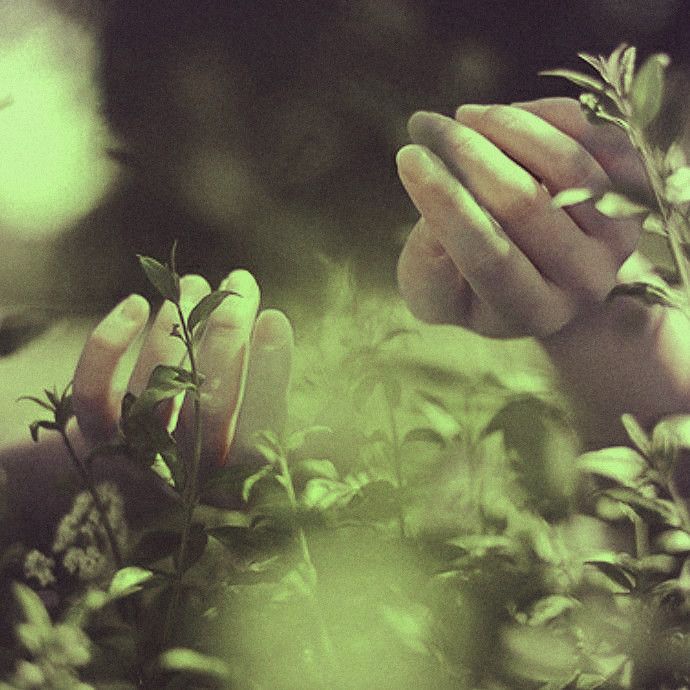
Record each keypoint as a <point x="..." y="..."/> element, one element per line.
<point x="490" y="252"/>
<point x="243" y="392"/>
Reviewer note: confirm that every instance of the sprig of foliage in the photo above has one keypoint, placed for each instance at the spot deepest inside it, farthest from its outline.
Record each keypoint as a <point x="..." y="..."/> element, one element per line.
<point x="165" y="383"/>
<point x="631" y="99"/>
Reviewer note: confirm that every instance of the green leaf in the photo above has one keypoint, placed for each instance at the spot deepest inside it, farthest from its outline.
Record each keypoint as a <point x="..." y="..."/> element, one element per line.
<point x="161" y="277"/>
<point x="32" y="607"/>
<point x="298" y="438"/>
<point x="189" y="661"/>
<point x="651" y="510"/>
<point x="128" y="581"/>
<point x="615" y="572"/>
<point x="654" y="223"/>
<point x="619" y="463"/>
<point x="677" y="190"/>
<point x="173" y="257"/>
<point x="425" y="435"/>
<point x="550" y="607"/>
<point x="647" y="92"/>
<point x="615" y="205"/>
<point x="584" y="81"/>
<point x="268" y="445"/>
<point x="570" y="197"/>
<point x="627" y="69"/>
<point x="323" y="494"/>
<point x="362" y="391"/>
<point x="253" y="479"/>
<point x="673" y="541"/>
<point x="311" y="467"/>
<point x="206" y="306"/>
<point x="637" y="434"/>
<point x="411" y="626"/>
<point x="164" y="383"/>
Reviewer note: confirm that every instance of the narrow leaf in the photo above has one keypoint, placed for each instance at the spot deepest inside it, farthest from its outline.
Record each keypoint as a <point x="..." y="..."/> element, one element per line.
<point x="673" y="541"/>
<point x="637" y="434"/>
<point x="38" y="401"/>
<point x="647" y="90"/>
<point x="584" y="81"/>
<point x="651" y="510"/>
<point x="425" y="435"/>
<point x="614" y="572"/>
<point x="252" y="480"/>
<point x="189" y="661"/>
<point x="646" y="292"/>
<point x="627" y="71"/>
<point x="551" y="607"/>
<point x="312" y="467"/>
<point x="206" y="306"/>
<point x="161" y="277"/>
<point x="570" y="197"/>
<point x="32" y="606"/>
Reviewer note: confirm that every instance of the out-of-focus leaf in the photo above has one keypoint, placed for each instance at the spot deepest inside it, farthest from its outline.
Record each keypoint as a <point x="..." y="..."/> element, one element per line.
<point x="128" y="581"/>
<point x="206" y="306"/>
<point x="425" y="435"/>
<point x="620" y="463"/>
<point x="253" y="479"/>
<point x="410" y="625"/>
<point x="312" y="467"/>
<point x="615" y="205"/>
<point x="550" y="607"/>
<point x="654" y="223"/>
<point x="647" y="92"/>
<point x="323" y="494"/>
<point x="677" y="189"/>
<point x="673" y="541"/>
<point x="161" y="277"/>
<point x="298" y="438"/>
<point x="636" y="434"/>
<point x="156" y="544"/>
<point x="376" y="500"/>
<point x="570" y="197"/>
<point x="651" y="510"/>
<point x="33" y="609"/>
<point x="190" y="661"/>
<point x="615" y="572"/>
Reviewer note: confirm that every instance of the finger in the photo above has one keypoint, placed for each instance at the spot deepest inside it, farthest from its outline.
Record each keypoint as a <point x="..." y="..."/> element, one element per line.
<point x="546" y="235"/>
<point x="498" y="272"/>
<point x="429" y="281"/>
<point x="558" y="160"/>
<point x="268" y="379"/>
<point x="96" y="395"/>
<point x="223" y="361"/>
<point x="159" y="346"/>
<point x="606" y="142"/>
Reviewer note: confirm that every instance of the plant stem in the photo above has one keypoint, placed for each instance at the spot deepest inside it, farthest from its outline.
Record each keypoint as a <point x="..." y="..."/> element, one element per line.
<point x="397" y="466"/>
<point x="669" y="214"/>
<point x="191" y="485"/>
<point x="326" y="641"/>
<point x="88" y="482"/>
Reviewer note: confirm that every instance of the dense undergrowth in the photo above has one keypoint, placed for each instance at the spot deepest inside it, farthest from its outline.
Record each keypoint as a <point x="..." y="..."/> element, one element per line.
<point x="414" y="526"/>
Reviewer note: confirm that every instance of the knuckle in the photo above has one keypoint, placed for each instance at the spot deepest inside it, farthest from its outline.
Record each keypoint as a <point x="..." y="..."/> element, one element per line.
<point x="525" y="201"/>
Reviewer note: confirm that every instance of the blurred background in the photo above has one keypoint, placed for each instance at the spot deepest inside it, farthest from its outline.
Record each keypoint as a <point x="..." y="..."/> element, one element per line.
<point x="261" y="134"/>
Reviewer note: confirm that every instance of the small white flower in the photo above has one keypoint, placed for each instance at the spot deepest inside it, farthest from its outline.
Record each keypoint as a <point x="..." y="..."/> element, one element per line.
<point x="40" y="567"/>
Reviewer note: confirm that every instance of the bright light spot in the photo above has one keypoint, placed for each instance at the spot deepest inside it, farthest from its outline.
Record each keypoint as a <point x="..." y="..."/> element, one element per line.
<point x="53" y="169"/>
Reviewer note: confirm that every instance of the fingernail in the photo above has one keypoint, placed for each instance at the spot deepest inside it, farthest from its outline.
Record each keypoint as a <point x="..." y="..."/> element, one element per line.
<point x="239" y="281"/>
<point x="273" y="330"/>
<point x="414" y="163"/>
<point x="471" y="109"/>
<point x="133" y="308"/>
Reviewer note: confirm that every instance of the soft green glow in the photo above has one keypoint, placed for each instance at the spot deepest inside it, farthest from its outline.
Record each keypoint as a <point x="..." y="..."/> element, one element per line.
<point x="53" y="167"/>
